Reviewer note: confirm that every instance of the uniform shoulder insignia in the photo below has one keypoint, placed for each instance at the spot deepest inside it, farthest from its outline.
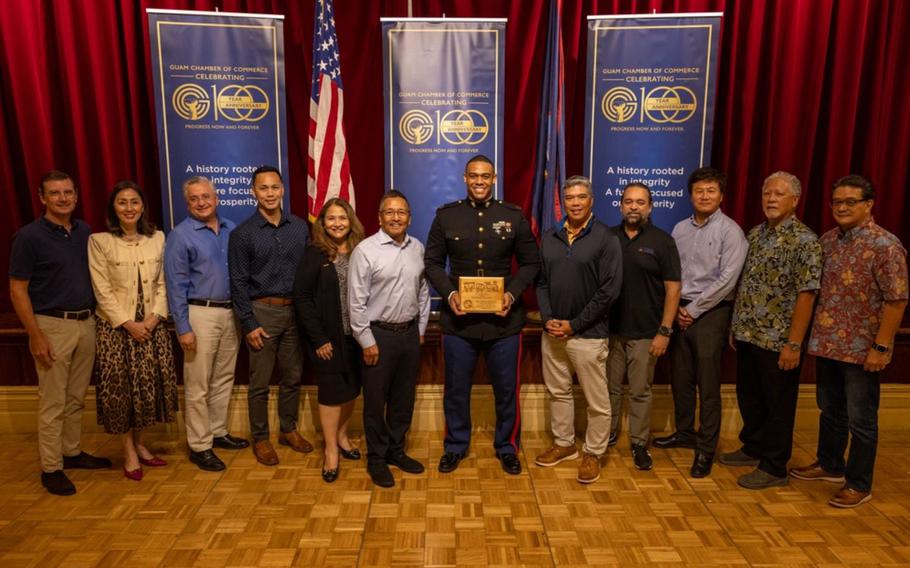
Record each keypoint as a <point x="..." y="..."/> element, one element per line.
<point x="452" y="204"/>
<point x="508" y="205"/>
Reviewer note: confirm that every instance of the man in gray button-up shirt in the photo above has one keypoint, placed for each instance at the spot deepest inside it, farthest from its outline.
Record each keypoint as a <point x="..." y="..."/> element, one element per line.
<point x="712" y="250"/>
<point x="389" y="306"/>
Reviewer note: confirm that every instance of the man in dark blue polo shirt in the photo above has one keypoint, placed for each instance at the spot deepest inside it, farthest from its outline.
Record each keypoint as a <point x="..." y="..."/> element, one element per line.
<point x="642" y="320"/>
<point x="51" y="291"/>
<point x="263" y="253"/>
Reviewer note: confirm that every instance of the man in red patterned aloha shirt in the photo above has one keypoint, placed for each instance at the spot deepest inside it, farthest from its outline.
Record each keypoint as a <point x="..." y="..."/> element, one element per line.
<point x="860" y="306"/>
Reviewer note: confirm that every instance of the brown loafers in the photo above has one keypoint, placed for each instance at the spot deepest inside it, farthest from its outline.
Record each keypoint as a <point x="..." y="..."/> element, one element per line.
<point x="296" y="442"/>
<point x="265" y="453"/>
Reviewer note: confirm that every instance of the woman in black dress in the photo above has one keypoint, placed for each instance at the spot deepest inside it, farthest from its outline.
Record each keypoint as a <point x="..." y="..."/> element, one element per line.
<point x="320" y="298"/>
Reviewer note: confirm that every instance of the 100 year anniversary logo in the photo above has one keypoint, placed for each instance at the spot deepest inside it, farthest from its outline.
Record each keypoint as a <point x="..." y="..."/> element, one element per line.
<point x="218" y="106"/>
<point x="455" y="130"/>
<point x="665" y="105"/>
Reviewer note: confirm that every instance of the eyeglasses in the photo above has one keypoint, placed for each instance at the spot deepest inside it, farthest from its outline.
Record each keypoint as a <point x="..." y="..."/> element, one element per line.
<point x="394" y="212"/>
<point x="835" y="203"/>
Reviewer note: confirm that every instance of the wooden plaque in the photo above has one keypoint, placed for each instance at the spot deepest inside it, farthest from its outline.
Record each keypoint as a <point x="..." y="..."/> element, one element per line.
<point x="481" y="294"/>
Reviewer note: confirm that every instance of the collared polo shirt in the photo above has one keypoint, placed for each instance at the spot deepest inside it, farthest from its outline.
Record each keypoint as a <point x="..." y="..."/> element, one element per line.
<point x="196" y="267"/>
<point x="863" y="268"/>
<point x="782" y="262"/>
<point x="55" y="263"/>
<point x="649" y="259"/>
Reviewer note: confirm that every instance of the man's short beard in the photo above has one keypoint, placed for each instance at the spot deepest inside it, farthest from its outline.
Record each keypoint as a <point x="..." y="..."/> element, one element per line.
<point x="641" y="221"/>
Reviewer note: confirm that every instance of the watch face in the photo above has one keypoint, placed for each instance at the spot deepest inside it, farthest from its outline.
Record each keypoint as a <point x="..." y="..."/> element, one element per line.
<point x="880" y="348"/>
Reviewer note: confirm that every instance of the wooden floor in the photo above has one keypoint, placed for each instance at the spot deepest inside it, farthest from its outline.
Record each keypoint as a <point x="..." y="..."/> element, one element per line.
<point x="252" y="515"/>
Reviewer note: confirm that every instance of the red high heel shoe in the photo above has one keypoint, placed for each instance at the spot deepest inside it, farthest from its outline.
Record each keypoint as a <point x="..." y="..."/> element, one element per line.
<point x="154" y="462"/>
<point x="135" y="475"/>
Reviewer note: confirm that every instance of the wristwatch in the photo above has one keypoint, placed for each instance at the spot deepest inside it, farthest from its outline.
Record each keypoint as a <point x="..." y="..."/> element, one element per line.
<point x="881" y="348"/>
<point x="665" y="331"/>
<point x="794" y="346"/>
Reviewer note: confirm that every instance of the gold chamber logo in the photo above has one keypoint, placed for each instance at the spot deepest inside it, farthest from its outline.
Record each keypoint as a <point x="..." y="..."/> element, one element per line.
<point x="416" y="127"/>
<point x="191" y="102"/>
<point x="237" y="103"/>
<point x="619" y="104"/>
<point x="243" y="103"/>
<point x="459" y="127"/>
<point x="670" y="104"/>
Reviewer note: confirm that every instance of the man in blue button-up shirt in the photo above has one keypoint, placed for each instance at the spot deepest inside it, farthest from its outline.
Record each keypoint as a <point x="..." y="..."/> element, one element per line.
<point x="263" y="254"/>
<point x="199" y="297"/>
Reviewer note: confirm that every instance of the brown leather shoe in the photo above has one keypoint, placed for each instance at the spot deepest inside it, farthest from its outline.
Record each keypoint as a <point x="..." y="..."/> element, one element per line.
<point x="847" y="498"/>
<point x="265" y="453"/>
<point x="296" y="442"/>
<point x="589" y="470"/>
<point x="815" y="472"/>
<point x="556" y="454"/>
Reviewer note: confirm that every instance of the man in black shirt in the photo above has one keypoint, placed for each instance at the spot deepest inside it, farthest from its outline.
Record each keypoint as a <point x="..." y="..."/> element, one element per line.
<point x="580" y="278"/>
<point x="51" y="291"/>
<point x="642" y="319"/>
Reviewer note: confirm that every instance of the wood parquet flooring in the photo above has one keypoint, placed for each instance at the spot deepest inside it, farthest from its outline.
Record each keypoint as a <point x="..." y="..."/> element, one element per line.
<point x="252" y="515"/>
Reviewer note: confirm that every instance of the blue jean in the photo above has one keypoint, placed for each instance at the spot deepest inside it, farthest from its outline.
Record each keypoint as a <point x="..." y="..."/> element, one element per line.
<point x="848" y="397"/>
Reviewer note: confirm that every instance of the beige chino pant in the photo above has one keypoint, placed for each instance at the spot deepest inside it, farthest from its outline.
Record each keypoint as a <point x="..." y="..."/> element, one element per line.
<point x="632" y="358"/>
<point x="586" y="358"/>
<point x="61" y="388"/>
<point x="208" y="374"/>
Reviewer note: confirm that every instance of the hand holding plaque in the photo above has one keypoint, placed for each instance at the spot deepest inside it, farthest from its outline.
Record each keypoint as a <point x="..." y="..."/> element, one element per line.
<point x="481" y="294"/>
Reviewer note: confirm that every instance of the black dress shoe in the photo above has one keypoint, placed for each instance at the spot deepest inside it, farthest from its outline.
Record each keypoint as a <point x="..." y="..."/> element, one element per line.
<point x="207" y="460"/>
<point x="701" y="466"/>
<point x="85" y="461"/>
<point x="352" y="454"/>
<point x="404" y="462"/>
<point x="381" y="474"/>
<point x="611" y="441"/>
<point x="330" y="475"/>
<point x="510" y="463"/>
<point x="57" y="483"/>
<point x="228" y="442"/>
<point x="674" y="440"/>
<point x="449" y="462"/>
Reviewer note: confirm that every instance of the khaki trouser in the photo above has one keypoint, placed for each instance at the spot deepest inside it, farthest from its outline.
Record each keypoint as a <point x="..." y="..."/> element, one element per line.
<point x="61" y="388"/>
<point x="208" y="375"/>
<point x="586" y="358"/>
<point x="631" y="358"/>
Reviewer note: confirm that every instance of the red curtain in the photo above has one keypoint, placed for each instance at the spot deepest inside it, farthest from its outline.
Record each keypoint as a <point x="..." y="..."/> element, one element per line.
<point x="815" y="87"/>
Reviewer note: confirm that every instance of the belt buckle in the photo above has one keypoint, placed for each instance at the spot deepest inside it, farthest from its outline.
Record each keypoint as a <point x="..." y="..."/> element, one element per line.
<point x="480" y="272"/>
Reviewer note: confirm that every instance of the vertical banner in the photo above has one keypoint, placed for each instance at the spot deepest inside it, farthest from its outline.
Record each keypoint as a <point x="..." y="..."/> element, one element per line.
<point x="649" y="108"/>
<point x="443" y="81"/>
<point x="220" y="103"/>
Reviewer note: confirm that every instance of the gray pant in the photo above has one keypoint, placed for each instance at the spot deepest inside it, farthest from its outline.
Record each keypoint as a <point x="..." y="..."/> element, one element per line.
<point x="630" y="358"/>
<point x="282" y="344"/>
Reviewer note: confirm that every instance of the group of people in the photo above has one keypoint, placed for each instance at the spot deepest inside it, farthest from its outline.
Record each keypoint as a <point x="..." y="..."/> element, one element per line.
<point x="612" y="301"/>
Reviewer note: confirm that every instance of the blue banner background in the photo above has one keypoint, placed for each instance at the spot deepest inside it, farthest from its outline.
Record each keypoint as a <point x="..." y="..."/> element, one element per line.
<point x="443" y="85"/>
<point x="220" y="104"/>
<point x="649" y="109"/>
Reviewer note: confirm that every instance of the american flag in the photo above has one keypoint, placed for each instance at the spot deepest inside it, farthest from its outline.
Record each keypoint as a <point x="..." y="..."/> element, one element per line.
<point x="329" y="173"/>
<point x="550" y="172"/>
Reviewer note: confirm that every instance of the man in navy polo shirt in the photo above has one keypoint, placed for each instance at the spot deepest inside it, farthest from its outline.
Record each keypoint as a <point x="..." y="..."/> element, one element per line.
<point x="51" y="291"/>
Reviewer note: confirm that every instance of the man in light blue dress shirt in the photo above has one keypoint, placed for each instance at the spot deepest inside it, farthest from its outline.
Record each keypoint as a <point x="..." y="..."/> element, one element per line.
<point x="712" y="250"/>
<point x="389" y="309"/>
<point x="199" y="297"/>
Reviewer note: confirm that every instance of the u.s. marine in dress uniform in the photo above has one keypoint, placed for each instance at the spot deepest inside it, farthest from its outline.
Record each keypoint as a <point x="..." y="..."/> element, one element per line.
<point x="479" y="236"/>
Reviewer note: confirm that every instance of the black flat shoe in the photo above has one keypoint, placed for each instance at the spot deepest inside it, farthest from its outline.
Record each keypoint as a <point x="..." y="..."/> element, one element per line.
<point x="701" y="466"/>
<point x="330" y="475"/>
<point x="228" y="442"/>
<point x="206" y="460"/>
<point x="674" y="440"/>
<point x="449" y="462"/>
<point x="510" y="463"/>
<point x="352" y="454"/>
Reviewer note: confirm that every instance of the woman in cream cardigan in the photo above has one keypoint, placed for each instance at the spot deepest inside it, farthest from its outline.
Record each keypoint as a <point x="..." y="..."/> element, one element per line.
<point x="134" y="361"/>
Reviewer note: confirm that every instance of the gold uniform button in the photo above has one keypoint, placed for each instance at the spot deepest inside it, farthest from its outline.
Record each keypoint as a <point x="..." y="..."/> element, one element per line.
<point x="479" y="262"/>
<point x="479" y="245"/>
<point x="480" y="213"/>
<point x="480" y="229"/>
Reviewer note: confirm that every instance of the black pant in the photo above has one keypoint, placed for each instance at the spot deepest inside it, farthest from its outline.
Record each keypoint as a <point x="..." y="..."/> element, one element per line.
<point x="388" y="391"/>
<point x="695" y="358"/>
<point x="767" y="401"/>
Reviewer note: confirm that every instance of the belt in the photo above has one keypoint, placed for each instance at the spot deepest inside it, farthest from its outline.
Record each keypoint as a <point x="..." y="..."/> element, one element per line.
<point x="68" y="314"/>
<point x="388" y="326"/>
<point x="274" y="301"/>
<point x="227" y="304"/>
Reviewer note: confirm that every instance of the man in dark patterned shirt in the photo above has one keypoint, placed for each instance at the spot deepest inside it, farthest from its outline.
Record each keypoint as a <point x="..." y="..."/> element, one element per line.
<point x="770" y="319"/>
<point x="263" y="253"/>
<point x="860" y="307"/>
